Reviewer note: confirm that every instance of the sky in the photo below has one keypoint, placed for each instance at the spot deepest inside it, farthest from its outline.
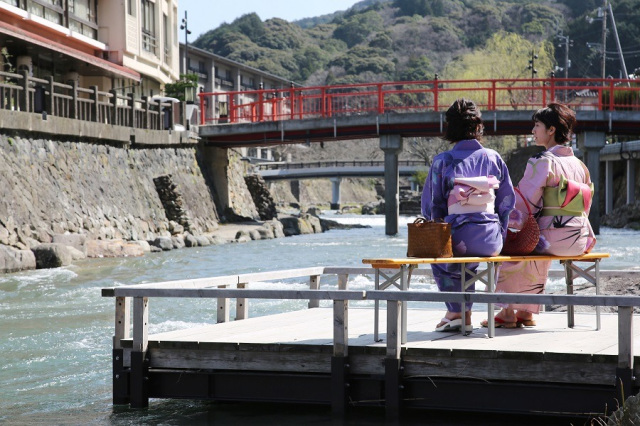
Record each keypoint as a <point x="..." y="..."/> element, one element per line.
<point x="205" y="15"/>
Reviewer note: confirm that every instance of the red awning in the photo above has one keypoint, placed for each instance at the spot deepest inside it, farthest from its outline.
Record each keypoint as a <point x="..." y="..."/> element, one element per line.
<point x="46" y="43"/>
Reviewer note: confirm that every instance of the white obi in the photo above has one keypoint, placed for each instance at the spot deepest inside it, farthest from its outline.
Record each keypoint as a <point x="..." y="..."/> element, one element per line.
<point x="473" y="195"/>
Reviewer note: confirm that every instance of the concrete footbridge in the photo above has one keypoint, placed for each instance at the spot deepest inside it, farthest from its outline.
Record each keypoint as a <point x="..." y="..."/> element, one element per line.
<point x="391" y="111"/>
<point x="335" y="171"/>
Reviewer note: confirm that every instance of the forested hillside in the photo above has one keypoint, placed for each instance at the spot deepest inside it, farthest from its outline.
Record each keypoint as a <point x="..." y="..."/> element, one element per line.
<point x="384" y="40"/>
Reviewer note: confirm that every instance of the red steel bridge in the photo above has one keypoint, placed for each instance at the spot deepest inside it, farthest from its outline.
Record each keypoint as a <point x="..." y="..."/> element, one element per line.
<point x="392" y="111"/>
<point x="275" y="116"/>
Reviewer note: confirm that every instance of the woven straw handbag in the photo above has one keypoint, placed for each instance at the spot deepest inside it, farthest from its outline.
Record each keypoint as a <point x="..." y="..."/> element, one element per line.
<point x="523" y="242"/>
<point x="429" y="238"/>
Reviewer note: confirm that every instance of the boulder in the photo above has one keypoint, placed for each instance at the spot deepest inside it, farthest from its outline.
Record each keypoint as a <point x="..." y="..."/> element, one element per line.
<point x="13" y="260"/>
<point x="77" y="241"/>
<point x="266" y="233"/>
<point x="203" y="241"/>
<point x="143" y="245"/>
<point x="163" y="243"/>
<point x="177" y="241"/>
<point x="242" y="236"/>
<point x="113" y="248"/>
<point x="190" y="241"/>
<point x="52" y="255"/>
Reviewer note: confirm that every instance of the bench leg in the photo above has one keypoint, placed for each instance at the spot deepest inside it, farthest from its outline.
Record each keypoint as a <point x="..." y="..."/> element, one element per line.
<point x="491" y="287"/>
<point x="376" y="313"/>
<point x="568" y="276"/>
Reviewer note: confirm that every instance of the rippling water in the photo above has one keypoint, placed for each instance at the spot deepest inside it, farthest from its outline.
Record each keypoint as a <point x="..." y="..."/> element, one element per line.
<point x="56" y="329"/>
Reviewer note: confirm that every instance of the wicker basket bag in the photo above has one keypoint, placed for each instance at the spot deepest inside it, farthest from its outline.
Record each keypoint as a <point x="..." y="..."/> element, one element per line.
<point x="429" y="238"/>
<point x="523" y="242"/>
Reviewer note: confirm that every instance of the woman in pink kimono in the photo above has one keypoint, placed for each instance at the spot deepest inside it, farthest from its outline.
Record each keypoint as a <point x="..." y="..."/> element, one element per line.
<point x="558" y="189"/>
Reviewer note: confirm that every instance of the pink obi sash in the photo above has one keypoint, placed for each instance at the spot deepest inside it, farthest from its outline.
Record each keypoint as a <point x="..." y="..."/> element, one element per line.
<point x="473" y="195"/>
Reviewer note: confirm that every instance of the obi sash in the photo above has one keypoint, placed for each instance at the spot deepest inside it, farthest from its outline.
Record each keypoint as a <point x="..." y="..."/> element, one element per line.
<point x="473" y="195"/>
<point x="569" y="198"/>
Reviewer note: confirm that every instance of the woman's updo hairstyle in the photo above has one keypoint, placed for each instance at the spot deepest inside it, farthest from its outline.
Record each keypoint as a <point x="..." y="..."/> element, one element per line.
<point x="559" y="116"/>
<point x="464" y="121"/>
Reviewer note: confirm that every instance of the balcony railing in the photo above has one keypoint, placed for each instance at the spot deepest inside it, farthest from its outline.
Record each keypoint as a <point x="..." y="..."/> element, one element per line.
<point x="19" y="92"/>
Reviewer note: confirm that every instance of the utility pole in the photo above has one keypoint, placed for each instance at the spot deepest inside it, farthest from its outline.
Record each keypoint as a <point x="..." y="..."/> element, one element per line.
<point x="567" y="42"/>
<point x="604" y="38"/>
<point x="532" y="65"/>
<point x="185" y="63"/>
<point x="615" y="33"/>
<point x="534" y="71"/>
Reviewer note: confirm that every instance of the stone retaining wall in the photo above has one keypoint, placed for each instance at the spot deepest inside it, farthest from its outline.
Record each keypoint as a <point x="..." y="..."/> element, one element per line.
<point x="50" y="188"/>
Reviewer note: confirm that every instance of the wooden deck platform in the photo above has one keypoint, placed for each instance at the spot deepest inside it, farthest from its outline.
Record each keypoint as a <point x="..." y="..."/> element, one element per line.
<point x="330" y="356"/>
<point x="288" y="358"/>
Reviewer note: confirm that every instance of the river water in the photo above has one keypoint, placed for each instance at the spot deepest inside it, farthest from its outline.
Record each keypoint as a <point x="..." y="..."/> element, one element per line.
<point x="56" y="329"/>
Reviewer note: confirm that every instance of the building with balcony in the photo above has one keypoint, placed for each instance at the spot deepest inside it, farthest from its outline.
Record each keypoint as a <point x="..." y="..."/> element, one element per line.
<point x="218" y="74"/>
<point x="128" y="45"/>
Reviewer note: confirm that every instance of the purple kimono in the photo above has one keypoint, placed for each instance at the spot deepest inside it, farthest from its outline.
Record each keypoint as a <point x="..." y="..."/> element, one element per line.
<point x="470" y="188"/>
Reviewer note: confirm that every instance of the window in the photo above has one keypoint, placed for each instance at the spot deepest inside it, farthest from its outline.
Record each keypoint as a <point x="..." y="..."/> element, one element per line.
<point x="130" y="7"/>
<point x="166" y="41"/>
<point x="148" y="26"/>
<point x="51" y="10"/>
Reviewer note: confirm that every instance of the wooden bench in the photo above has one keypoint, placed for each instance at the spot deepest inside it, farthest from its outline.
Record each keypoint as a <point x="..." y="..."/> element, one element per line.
<point x="397" y="272"/>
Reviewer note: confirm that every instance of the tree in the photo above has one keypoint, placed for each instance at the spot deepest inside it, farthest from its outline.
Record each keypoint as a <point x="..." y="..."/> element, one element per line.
<point x="505" y="56"/>
<point x="176" y="90"/>
<point x="356" y="28"/>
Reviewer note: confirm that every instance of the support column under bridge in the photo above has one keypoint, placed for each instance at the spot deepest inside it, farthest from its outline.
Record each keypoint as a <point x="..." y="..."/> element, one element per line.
<point x="392" y="146"/>
<point x="335" y="193"/>
<point x="592" y="143"/>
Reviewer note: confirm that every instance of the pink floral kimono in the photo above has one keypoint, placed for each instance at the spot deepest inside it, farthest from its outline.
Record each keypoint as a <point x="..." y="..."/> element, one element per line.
<point x="558" y="188"/>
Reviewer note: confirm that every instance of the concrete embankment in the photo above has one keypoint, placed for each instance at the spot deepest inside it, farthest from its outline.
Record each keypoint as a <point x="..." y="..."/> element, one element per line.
<point x="63" y="199"/>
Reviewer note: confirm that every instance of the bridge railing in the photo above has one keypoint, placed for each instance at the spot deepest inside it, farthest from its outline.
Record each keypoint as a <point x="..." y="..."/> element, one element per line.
<point x="278" y="165"/>
<point x="421" y="96"/>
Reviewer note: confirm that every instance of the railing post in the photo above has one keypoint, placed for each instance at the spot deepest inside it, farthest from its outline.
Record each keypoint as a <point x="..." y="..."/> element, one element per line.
<point x="232" y="111"/>
<point x="612" y="102"/>
<point x="392" y="365"/>
<point x="435" y="93"/>
<point x="131" y="102"/>
<point x="223" y="308"/>
<point x="314" y="284"/>
<point x="380" y="100"/>
<point x="73" y="108"/>
<point x="340" y="360"/>
<point x="24" y="94"/>
<point x="160" y="116"/>
<point x="122" y="328"/>
<point x="292" y="95"/>
<point x="139" y="388"/>
<point x="624" y="372"/>
<point x="50" y="101"/>
<point x="242" y="308"/>
<point x="145" y="100"/>
<point x="202" y="112"/>
<point x="114" y="107"/>
<point x="323" y="99"/>
<point x="95" y="110"/>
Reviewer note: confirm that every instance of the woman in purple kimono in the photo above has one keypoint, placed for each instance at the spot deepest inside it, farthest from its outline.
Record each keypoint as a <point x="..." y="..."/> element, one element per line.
<point x="469" y="187"/>
<point x="557" y="186"/>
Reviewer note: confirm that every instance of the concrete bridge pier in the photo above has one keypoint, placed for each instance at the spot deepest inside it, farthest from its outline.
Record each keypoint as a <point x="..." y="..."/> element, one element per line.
<point x="335" y="193"/>
<point x="392" y="146"/>
<point x="591" y="143"/>
<point x="631" y="181"/>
